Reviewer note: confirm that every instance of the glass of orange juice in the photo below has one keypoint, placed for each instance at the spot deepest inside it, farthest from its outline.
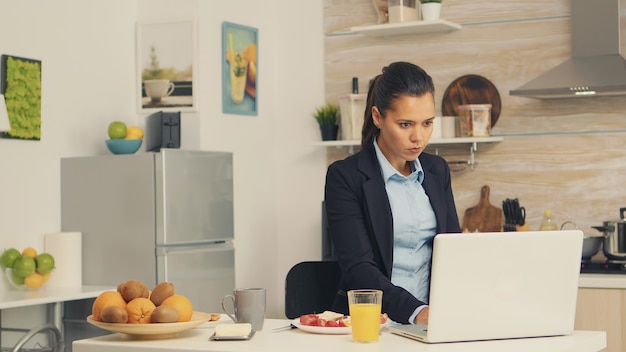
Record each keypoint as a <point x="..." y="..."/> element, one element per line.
<point x="365" y="309"/>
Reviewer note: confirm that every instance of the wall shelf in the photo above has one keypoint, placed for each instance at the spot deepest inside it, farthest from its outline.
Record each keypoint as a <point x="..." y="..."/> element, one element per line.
<point x="472" y="141"/>
<point x="415" y="27"/>
<point x="434" y="141"/>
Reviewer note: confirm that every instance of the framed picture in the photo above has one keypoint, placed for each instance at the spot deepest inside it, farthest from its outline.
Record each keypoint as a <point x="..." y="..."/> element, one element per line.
<point x="240" y="69"/>
<point x="166" y="66"/>
<point x="20" y="91"/>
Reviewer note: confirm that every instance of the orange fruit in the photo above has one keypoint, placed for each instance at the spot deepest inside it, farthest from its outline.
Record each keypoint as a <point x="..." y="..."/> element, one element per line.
<point x="140" y="310"/>
<point x="182" y="304"/>
<point x="29" y="252"/>
<point x="106" y="299"/>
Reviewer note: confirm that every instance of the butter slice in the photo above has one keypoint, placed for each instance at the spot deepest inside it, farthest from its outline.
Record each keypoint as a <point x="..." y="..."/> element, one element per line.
<point x="238" y="329"/>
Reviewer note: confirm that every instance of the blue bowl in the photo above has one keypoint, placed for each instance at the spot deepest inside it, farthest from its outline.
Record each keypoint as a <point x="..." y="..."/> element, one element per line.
<point x="123" y="146"/>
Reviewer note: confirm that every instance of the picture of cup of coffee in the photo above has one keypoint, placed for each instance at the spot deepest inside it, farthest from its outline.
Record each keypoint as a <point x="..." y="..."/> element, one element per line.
<point x="156" y="89"/>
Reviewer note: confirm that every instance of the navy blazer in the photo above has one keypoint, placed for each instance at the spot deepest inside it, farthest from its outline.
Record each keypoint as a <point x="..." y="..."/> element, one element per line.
<point x="360" y="224"/>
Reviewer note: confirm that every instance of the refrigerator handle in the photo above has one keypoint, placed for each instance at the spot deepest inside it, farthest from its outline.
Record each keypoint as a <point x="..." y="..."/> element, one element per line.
<point x="213" y="247"/>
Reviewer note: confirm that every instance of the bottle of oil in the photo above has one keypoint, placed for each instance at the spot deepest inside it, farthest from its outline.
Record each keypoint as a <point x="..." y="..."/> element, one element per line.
<point x="548" y="223"/>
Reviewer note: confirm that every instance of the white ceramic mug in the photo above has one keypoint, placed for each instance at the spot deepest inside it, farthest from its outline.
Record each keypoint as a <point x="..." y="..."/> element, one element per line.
<point x="158" y="88"/>
<point x="249" y="304"/>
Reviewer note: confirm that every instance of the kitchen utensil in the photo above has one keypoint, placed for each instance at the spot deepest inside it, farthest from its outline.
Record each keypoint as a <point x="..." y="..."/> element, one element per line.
<point x="514" y="215"/>
<point x="483" y="217"/>
<point x="508" y="216"/>
<point x="614" y="243"/>
<point x="471" y="89"/>
<point x="591" y="244"/>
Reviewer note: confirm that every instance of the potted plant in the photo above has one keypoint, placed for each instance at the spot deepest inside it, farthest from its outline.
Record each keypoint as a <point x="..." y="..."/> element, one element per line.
<point x="430" y="9"/>
<point x="327" y="117"/>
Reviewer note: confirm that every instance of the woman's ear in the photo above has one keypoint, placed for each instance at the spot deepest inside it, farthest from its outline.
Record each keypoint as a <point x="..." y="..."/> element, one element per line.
<point x="376" y="116"/>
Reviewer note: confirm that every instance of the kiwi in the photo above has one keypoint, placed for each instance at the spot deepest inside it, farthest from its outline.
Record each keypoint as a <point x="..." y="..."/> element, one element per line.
<point x="114" y="314"/>
<point x="165" y="314"/>
<point x="132" y="289"/>
<point x="162" y="291"/>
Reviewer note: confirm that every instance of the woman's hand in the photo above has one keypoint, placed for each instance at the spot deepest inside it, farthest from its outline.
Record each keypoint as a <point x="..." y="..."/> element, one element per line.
<point x="422" y="317"/>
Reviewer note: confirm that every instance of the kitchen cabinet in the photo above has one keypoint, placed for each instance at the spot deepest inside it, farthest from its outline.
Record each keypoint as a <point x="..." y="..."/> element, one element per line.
<point x="602" y="306"/>
<point x="603" y="309"/>
<point x="434" y="143"/>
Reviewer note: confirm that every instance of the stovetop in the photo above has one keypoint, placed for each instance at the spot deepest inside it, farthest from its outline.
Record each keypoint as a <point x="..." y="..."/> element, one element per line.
<point x="603" y="267"/>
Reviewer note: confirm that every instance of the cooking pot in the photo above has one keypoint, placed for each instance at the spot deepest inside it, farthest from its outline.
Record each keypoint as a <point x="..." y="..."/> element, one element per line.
<point x="591" y="244"/>
<point x="614" y="244"/>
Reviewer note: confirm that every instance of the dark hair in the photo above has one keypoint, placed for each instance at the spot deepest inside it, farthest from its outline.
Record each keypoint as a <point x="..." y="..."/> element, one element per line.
<point x="396" y="80"/>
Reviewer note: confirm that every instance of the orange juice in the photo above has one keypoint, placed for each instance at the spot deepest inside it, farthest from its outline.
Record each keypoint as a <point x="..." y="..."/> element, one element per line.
<point x="365" y="320"/>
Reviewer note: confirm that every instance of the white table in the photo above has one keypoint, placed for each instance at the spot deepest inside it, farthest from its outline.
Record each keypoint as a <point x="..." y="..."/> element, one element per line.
<point x="53" y="297"/>
<point x="299" y="341"/>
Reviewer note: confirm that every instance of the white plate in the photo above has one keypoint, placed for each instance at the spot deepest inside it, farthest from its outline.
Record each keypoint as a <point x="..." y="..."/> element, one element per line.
<point x="153" y="330"/>
<point x="338" y="330"/>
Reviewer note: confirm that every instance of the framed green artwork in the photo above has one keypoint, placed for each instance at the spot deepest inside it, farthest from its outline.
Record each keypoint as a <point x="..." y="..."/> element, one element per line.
<point x="20" y="84"/>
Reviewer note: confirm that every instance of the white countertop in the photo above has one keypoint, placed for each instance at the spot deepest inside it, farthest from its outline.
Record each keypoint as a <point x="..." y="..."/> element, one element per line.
<point x="297" y="340"/>
<point x="14" y="298"/>
<point x="615" y="281"/>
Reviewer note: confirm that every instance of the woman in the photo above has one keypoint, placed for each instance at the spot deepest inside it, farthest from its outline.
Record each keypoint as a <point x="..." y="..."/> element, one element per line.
<point x="386" y="203"/>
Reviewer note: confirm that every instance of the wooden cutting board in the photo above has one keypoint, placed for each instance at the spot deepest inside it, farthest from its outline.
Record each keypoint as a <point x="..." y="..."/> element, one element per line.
<point x="483" y="217"/>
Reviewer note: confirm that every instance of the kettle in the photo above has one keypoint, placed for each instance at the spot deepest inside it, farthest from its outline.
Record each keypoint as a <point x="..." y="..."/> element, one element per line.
<point x="614" y="244"/>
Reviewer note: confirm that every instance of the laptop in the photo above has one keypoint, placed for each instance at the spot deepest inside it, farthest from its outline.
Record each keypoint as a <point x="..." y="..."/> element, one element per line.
<point x="501" y="285"/>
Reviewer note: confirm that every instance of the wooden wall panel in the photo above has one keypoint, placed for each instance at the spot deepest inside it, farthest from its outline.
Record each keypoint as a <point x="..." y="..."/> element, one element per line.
<point x="564" y="154"/>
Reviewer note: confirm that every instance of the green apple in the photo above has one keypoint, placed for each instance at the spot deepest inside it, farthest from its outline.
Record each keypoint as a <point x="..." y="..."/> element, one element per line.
<point x="24" y="266"/>
<point x="117" y="130"/>
<point x="45" y="263"/>
<point x="9" y="257"/>
<point x="16" y="279"/>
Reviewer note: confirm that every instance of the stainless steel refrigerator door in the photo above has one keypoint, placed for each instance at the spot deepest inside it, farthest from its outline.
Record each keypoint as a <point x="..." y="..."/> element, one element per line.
<point x="110" y="199"/>
<point x="194" y="198"/>
<point x="204" y="274"/>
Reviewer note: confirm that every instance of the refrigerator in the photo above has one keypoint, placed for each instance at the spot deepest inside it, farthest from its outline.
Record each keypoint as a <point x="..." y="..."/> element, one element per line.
<point x="153" y="217"/>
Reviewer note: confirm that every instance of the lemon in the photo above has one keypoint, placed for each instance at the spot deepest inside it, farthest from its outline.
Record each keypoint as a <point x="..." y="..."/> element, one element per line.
<point x="34" y="280"/>
<point x="29" y="252"/>
<point x="134" y="132"/>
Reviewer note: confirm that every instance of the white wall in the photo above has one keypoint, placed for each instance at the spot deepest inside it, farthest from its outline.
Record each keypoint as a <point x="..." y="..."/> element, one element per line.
<point x="87" y="50"/>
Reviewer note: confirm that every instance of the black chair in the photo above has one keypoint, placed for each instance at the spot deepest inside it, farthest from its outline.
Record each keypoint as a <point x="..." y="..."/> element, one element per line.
<point x="310" y="287"/>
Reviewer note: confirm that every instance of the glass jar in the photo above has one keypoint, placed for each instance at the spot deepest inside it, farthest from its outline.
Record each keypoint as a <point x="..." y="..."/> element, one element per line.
<point x="402" y="11"/>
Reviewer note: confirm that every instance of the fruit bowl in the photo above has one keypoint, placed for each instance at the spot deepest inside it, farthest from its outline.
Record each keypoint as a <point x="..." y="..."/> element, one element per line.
<point x="29" y="283"/>
<point x="123" y="146"/>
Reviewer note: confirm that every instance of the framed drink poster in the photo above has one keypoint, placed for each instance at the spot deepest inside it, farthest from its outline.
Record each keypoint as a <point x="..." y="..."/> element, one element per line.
<point x="166" y="56"/>
<point x="239" y="69"/>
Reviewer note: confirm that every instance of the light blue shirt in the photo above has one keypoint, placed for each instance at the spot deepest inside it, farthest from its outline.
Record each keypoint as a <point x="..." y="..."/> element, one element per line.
<point x="414" y="227"/>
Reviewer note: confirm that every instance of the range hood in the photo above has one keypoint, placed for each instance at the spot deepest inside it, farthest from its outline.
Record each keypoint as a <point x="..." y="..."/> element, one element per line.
<point x="597" y="66"/>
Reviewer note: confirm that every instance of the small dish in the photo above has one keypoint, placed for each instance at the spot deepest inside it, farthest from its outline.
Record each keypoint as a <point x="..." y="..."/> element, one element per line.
<point x="123" y="146"/>
<point x="231" y="338"/>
